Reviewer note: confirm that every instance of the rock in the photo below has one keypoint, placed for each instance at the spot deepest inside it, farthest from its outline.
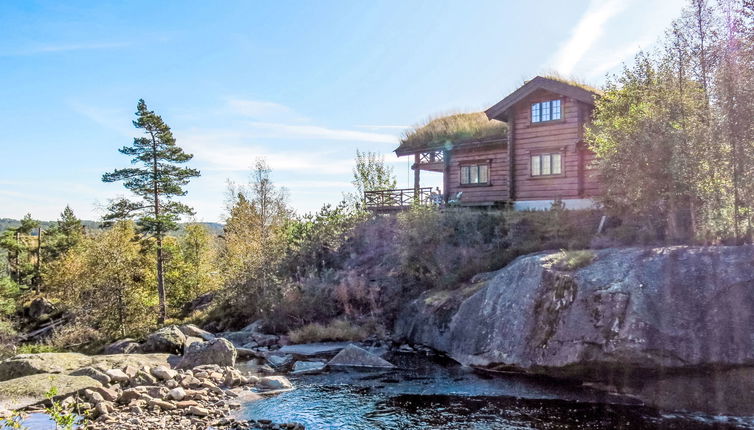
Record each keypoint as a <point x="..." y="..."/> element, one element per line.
<point x="305" y="367"/>
<point x="91" y="372"/>
<point x="190" y="330"/>
<point x="163" y="373"/>
<point x="217" y="351"/>
<point x="275" y="383"/>
<point x="200" y="303"/>
<point x="143" y="378"/>
<point x="255" y="327"/>
<point x="187" y="404"/>
<point x="247" y="354"/>
<point x="93" y="396"/>
<point x="131" y="394"/>
<point x="190" y="341"/>
<point x="117" y="375"/>
<point x="177" y="393"/>
<point x="162" y="404"/>
<point x="630" y="313"/>
<point x="198" y="411"/>
<point x="280" y="361"/>
<point x="107" y="394"/>
<point x="123" y="346"/>
<point x="40" y="307"/>
<point x="132" y="361"/>
<point x="322" y="349"/>
<point x="47" y="362"/>
<point x="27" y="390"/>
<point x="353" y="356"/>
<point x="167" y="339"/>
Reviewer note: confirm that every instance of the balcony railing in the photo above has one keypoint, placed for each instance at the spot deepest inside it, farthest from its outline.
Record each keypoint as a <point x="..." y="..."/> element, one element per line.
<point x="431" y="157"/>
<point x="403" y="198"/>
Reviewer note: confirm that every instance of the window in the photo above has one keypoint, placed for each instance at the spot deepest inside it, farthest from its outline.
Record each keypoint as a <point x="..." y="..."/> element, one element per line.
<point x="546" y="111"/>
<point x="475" y="174"/>
<point x="546" y="164"/>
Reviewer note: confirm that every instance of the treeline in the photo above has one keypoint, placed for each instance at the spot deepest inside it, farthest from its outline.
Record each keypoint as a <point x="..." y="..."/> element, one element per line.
<point x="674" y="131"/>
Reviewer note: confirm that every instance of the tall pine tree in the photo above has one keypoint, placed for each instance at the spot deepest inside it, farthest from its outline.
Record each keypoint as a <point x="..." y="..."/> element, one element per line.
<point x="157" y="181"/>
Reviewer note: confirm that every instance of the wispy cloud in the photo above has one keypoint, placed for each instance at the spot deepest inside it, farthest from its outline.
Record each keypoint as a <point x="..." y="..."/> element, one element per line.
<point x="56" y="48"/>
<point x="262" y="110"/>
<point x="586" y="32"/>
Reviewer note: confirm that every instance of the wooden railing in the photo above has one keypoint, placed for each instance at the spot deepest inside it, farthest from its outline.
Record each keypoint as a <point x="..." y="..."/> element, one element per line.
<point x="431" y="157"/>
<point x="396" y="199"/>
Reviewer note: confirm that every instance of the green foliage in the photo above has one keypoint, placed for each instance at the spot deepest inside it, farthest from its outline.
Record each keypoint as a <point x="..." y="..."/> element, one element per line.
<point x="572" y="260"/>
<point x="64" y="418"/>
<point x="13" y="422"/>
<point x="338" y="330"/>
<point x="158" y="181"/>
<point x="21" y="245"/>
<point x="36" y="348"/>
<point x="370" y="174"/>
<point x="451" y="129"/>
<point x="104" y="281"/>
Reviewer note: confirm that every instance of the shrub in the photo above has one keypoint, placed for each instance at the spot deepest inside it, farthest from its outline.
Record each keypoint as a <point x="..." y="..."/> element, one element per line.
<point x="572" y="260"/>
<point x="336" y="330"/>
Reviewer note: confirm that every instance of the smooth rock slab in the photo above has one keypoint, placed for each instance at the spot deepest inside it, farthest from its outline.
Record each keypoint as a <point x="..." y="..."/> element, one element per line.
<point x="314" y="349"/>
<point x="47" y="362"/>
<point x="28" y="390"/>
<point x="353" y="356"/>
<point x="306" y="367"/>
<point x="275" y="383"/>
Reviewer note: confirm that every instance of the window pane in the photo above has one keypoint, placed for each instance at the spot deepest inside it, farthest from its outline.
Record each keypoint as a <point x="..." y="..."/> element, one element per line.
<point x="556" y="165"/>
<point x="483" y="174"/>
<point x="535" y="170"/>
<point x="474" y="175"/>
<point x="535" y="112"/>
<point x="545" y="111"/>
<point x="556" y="109"/>
<point x="464" y="175"/>
<point x="546" y="164"/>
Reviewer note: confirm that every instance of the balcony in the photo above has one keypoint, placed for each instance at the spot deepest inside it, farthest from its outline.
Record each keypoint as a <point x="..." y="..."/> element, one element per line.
<point x="396" y="200"/>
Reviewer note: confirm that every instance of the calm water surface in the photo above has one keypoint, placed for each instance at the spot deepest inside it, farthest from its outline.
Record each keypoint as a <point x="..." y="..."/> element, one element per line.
<point x="427" y="394"/>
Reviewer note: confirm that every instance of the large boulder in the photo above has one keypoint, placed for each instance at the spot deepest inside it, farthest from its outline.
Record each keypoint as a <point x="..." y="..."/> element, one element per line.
<point x="168" y="339"/>
<point x="627" y="316"/>
<point x="123" y="346"/>
<point x="216" y="351"/>
<point x="48" y="362"/>
<point x="190" y="330"/>
<point x="40" y="307"/>
<point x="28" y="390"/>
<point x="121" y="361"/>
<point x="353" y="356"/>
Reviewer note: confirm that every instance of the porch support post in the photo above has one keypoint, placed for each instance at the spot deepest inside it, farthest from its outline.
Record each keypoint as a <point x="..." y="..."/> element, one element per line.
<point x="417" y="173"/>
<point x="446" y="176"/>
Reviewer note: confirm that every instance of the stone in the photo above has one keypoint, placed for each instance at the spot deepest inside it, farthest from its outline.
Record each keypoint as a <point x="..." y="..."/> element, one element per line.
<point x="163" y="373"/>
<point x="187" y="404"/>
<point x="40" y="307"/>
<point x="255" y="327"/>
<point x="131" y="394"/>
<point x="143" y="378"/>
<point x="137" y="361"/>
<point x="177" y="393"/>
<point x="198" y="411"/>
<point x="353" y="356"/>
<point x="123" y="346"/>
<point x="190" y="330"/>
<point x="275" y="383"/>
<point x="321" y="349"/>
<point x="46" y="362"/>
<point x="117" y="375"/>
<point x="217" y="351"/>
<point x="247" y="354"/>
<point x="93" y="396"/>
<point x="307" y="367"/>
<point x="172" y="383"/>
<point x="629" y="313"/>
<point x="107" y="394"/>
<point x="168" y="339"/>
<point x="27" y="390"/>
<point x="91" y="372"/>
<point x="279" y="361"/>
<point x="162" y="404"/>
<point x="190" y="340"/>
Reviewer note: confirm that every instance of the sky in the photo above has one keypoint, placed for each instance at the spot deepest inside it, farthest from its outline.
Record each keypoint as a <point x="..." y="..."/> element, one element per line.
<point x="301" y="84"/>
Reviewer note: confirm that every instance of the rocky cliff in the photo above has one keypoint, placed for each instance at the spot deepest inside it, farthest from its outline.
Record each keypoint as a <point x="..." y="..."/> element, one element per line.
<point x="674" y="326"/>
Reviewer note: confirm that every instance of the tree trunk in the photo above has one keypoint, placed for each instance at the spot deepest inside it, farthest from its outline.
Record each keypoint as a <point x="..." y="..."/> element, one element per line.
<point x="161" y="284"/>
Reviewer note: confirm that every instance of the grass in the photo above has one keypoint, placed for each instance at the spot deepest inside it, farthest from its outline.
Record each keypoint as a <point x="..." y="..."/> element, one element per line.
<point x="572" y="260"/>
<point x="36" y="348"/>
<point x="572" y="81"/>
<point x="452" y="128"/>
<point x="334" y="331"/>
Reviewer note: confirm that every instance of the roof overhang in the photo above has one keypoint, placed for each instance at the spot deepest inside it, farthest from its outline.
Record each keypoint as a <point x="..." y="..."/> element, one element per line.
<point x="453" y="146"/>
<point x="500" y="110"/>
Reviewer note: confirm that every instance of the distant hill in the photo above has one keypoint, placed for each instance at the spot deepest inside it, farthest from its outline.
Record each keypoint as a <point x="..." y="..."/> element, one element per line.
<point x="6" y="223"/>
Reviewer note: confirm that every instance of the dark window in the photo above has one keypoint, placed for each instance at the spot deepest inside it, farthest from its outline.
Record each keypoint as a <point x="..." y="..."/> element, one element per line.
<point x="546" y="164"/>
<point x="475" y="174"/>
<point x="546" y="111"/>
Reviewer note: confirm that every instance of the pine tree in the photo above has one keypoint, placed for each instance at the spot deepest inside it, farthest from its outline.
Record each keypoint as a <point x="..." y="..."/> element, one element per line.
<point x="157" y="181"/>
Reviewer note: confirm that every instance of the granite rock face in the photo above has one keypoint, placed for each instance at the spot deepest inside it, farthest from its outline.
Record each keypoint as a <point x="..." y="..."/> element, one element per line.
<point x="629" y="315"/>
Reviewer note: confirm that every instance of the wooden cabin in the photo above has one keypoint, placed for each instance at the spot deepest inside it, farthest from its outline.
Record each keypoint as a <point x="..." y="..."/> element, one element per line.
<point x="526" y="151"/>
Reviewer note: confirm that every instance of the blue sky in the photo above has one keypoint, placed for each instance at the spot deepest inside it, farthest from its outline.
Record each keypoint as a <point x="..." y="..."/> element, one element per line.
<point x="303" y="84"/>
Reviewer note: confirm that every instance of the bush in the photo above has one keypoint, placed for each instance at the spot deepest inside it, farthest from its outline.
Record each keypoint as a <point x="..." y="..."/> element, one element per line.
<point x="336" y="330"/>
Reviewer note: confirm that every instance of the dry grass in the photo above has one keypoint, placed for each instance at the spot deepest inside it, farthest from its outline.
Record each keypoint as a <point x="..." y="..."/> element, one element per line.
<point x="572" y="260"/>
<point x="452" y="128"/>
<point x="572" y="81"/>
<point x="335" y="331"/>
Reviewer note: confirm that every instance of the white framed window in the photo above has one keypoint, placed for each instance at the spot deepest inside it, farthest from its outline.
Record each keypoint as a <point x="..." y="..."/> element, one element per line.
<point x="547" y="164"/>
<point x="546" y="111"/>
<point x="475" y="174"/>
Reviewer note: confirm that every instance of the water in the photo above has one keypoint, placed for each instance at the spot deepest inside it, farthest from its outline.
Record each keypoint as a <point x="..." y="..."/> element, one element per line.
<point x="424" y="394"/>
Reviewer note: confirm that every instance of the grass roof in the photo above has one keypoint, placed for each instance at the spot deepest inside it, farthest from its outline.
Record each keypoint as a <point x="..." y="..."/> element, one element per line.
<point x="451" y="128"/>
<point x="573" y="82"/>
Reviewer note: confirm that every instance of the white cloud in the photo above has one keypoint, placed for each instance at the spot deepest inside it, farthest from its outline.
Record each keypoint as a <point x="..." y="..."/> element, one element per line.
<point x="586" y="32"/>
